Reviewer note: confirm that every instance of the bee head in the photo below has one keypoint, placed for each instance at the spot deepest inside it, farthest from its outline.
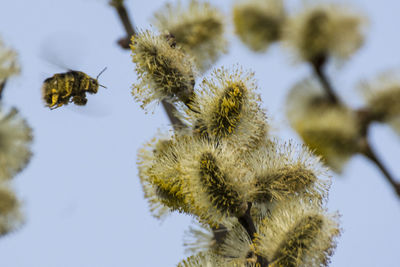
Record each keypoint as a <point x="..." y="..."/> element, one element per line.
<point x="94" y="86"/>
<point x="95" y="81"/>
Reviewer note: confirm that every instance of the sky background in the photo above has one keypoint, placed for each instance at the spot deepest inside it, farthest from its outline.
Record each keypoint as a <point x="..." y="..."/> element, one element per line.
<point x="82" y="198"/>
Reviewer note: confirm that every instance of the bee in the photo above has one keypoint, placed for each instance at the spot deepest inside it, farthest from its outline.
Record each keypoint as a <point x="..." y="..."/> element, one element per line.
<point x="71" y="86"/>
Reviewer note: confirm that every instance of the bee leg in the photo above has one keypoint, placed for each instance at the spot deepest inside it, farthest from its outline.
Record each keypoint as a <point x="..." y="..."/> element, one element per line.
<point x="80" y="99"/>
<point x="68" y="88"/>
<point x="54" y="97"/>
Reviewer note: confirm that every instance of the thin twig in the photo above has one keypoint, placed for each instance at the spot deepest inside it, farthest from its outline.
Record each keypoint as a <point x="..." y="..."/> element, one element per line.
<point x="170" y="110"/>
<point x="130" y="31"/>
<point x="126" y="21"/>
<point x="247" y="222"/>
<point x="365" y="119"/>
<point x="318" y="67"/>
<point x="220" y="233"/>
<point x="2" y="85"/>
<point x="370" y="154"/>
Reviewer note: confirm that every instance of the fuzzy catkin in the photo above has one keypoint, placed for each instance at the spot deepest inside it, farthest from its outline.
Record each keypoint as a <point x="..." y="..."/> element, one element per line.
<point x="331" y="130"/>
<point x="8" y="62"/>
<point x="228" y="108"/>
<point x="10" y="215"/>
<point x="259" y="23"/>
<point x="15" y="142"/>
<point x="325" y="30"/>
<point x="382" y="95"/>
<point x="163" y="70"/>
<point x="198" y="28"/>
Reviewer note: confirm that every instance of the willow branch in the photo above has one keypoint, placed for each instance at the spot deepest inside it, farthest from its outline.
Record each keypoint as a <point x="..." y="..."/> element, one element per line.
<point x="220" y="233"/>
<point x="247" y="222"/>
<point x="171" y="110"/>
<point x="126" y="22"/>
<point x="124" y="42"/>
<point x="2" y="85"/>
<point x="318" y="67"/>
<point x="370" y="154"/>
<point x="365" y="119"/>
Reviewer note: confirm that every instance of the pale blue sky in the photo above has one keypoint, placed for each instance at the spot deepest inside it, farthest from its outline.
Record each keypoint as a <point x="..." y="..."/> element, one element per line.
<point x="82" y="198"/>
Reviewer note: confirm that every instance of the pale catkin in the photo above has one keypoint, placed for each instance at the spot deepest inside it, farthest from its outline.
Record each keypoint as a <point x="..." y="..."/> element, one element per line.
<point x="164" y="72"/>
<point x="10" y="214"/>
<point x="259" y="23"/>
<point x="325" y="30"/>
<point x="331" y="131"/>
<point x="15" y="142"/>
<point x="283" y="170"/>
<point x="8" y="62"/>
<point x="382" y="96"/>
<point x="298" y="234"/>
<point x="198" y="28"/>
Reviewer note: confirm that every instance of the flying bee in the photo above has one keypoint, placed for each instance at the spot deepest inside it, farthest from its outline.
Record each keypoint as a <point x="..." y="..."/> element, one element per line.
<point x="71" y="86"/>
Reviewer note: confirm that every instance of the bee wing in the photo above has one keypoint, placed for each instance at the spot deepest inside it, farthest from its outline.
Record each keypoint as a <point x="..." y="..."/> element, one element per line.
<point x="64" y="50"/>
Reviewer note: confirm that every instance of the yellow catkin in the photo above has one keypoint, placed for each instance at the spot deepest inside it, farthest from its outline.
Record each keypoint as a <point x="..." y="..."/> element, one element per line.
<point x="229" y="109"/>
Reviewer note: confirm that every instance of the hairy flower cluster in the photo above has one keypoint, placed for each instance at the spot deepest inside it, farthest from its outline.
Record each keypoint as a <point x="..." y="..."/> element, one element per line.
<point x="331" y="130"/>
<point x="8" y="62"/>
<point x="259" y="23"/>
<point x="10" y="216"/>
<point x="15" y="141"/>
<point x="198" y="29"/>
<point x="325" y="30"/>
<point x="224" y="169"/>
<point x="221" y="167"/>
<point x="382" y="95"/>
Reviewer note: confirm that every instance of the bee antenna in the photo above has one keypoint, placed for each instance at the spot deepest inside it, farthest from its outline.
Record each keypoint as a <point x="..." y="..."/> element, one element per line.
<point x="102" y="86"/>
<point x="101" y="72"/>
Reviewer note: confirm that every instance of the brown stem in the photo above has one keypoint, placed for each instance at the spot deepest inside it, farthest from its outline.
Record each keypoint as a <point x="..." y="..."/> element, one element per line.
<point x="366" y="117"/>
<point x="247" y="222"/>
<point x="370" y="153"/>
<point x="220" y="233"/>
<point x="126" y="21"/>
<point x="2" y="85"/>
<point x="170" y="110"/>
<point x="318" y="67"/>
<point x="124" y="42"/>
